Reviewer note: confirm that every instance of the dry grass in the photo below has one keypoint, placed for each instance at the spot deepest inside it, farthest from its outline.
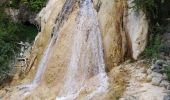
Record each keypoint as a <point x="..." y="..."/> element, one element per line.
<point x="118" y="83"/>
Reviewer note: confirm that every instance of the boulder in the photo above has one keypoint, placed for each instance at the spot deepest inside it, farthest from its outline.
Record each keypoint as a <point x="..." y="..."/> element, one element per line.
<point x="160" y="62"/>
<point x="165" y="77"/>
<point x="155" y="74"/>
<point x="168" y="62"/>
<point x="168" y="87"/>
<point x="164" y="83"/>
<point x="166" y="97"/>
<point x="156" y="81"/>
<point x="149" y="78"/>
<point x="149" y="71"/>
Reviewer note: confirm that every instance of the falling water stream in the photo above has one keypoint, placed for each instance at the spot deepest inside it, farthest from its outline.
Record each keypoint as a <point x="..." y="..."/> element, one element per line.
<point x="86" y="59"/>
<point x="26" y="89"/>
<point x="87" y="55"/>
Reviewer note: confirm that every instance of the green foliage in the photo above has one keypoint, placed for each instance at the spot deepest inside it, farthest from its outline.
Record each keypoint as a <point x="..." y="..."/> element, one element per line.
<point x="33" y="5"/>
<point x="26" y="32"/>
<point x="7" y="46"/>
<point x="145" y="5"/>
<point x="14" y="3"/>
<point x="154" y="48"/>
<point x="157" y="12"/>
<point x="36" y="5"/>
<point x="167" y="72"/>
<point x="10" y="34"/>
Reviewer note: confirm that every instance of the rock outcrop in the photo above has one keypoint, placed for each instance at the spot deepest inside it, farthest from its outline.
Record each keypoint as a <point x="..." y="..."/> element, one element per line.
<point x="22" y="14"/>
<point x="124" y="31"/>
<point x="67" y="40"/>
<point x="157" y="75"/>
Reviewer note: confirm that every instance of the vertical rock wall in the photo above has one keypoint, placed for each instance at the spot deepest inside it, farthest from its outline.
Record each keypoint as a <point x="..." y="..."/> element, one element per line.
<point x="123" y="31"/>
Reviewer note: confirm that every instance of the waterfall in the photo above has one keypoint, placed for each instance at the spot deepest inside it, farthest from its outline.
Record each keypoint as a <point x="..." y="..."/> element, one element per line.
<point x="86" y="59"/>
<point x="81" y="34"/>
<point x="41" y="67"/>
<point x="87" y="55"/>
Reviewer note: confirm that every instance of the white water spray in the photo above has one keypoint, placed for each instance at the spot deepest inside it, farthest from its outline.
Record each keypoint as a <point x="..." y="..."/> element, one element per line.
<point x="87" y="55"/>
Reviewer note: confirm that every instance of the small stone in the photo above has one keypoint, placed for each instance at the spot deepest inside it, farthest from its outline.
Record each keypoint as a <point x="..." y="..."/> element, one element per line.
<point x="165" y="65"/>
<point x="143" y="70"/>
<point x="165" y="77"/>
<point x="21" y="54"/>
<point x="149" y="71"/>
<point x="155" y="74"/>
<point x="168" y="62"/>
<point x="164" y="83"/>
<point x="168" y="87"/>
<point x="152" y="67"/>
<point x="167" y="57"/>
<point x="22" y="49"/>
<point x="156" y="68"/>
<point x="166" y="97"/>
<point x="160" y="62"/>
<point x="156" y="81"/>
<point x="167" y="91"/>
<point x="149" y="78"/>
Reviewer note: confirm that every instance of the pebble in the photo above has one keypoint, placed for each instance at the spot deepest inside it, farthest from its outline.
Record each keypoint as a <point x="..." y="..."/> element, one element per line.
<point x="149" y="71"/>
<point x="155" y="74"/>
<point x="164" y="83"/>
<point x="166" y="97"/>
<point x="156" y="81"/>
<point x="149" y="78"/>
<point x="160" y="62"/>
<point x="168" y="87"/>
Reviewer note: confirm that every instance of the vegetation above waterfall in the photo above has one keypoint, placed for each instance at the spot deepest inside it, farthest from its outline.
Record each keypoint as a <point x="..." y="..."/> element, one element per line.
<point x="33" y="5"/>
<point x="158" y="14"/>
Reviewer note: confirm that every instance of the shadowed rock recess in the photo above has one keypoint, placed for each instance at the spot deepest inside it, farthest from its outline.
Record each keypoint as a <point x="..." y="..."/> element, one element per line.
<point x="77" y="48"/>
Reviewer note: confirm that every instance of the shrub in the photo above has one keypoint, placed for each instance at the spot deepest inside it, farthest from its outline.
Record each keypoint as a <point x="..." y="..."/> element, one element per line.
<point x="154" y="48"/>
<point x="157" y="12"/>
<point x="168" y="74"/>
<point x="33" y="5"/>
<point x="37" y="5"/>
<point x="10" y="34"/>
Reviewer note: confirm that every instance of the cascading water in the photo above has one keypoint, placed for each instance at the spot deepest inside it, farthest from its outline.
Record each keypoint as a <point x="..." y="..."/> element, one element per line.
<point x="77" y="53"/>
<point x="87" y="55"/>
<point x="26" y="89"/>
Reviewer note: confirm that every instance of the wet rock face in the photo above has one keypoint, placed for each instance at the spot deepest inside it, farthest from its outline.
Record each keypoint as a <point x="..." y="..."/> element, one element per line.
<point x="122" y="36"/>
<point x="111" y="18"/>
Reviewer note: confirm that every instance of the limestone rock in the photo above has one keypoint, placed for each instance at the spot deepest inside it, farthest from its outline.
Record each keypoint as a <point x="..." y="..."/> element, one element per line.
<point x="168" y="87"/>
<point x="165" y="77"/>
<point x="164" y="83"/>
<point x="160" y="62"/>
<point x="137" y="27"/>
<point x="149" y="78"/>
<point x="149" y="71"/>
<point x="156" y="81"/>
<point x="155" y="74"/>
<point x="167" y="97"/>
<point x="12" y="13"/>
